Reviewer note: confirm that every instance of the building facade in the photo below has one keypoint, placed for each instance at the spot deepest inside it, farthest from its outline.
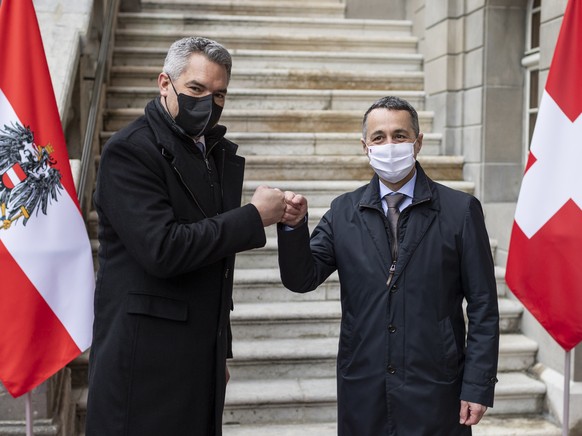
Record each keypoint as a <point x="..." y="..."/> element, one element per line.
<point x="485" y="65"/>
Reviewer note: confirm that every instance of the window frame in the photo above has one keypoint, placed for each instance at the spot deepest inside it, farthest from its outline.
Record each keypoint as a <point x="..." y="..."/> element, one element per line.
<point x="531" y="64"/>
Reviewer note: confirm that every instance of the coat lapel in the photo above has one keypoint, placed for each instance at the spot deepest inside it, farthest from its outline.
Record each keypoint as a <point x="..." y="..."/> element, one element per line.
<point x="419" y="216"/>
<point x="370" y="209"/>
<point x="232" y="176"/>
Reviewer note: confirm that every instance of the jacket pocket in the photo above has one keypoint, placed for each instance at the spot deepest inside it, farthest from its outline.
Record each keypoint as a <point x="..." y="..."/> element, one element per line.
<point x="345" y="342"/>
<point x="158" y="307"/>
<point x="449" y="349"/>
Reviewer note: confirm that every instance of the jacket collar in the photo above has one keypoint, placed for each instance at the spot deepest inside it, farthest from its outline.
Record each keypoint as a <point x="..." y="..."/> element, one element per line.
<point x="166" y="131"/>
<point x="424" y="191"/>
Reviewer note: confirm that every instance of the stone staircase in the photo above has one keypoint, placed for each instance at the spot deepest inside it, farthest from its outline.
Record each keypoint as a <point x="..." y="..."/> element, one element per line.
<point x="303" y="76"/>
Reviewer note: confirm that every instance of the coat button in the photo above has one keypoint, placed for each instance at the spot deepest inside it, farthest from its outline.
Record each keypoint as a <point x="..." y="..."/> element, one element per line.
<point x="391" y="369"/>
<point x="393" y="288"/>
<point x="391" y="328"/>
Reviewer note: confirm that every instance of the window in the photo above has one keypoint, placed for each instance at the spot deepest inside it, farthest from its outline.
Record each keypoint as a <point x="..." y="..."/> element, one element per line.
<point x="534" y="18"/>
<point x="530" y="62"/>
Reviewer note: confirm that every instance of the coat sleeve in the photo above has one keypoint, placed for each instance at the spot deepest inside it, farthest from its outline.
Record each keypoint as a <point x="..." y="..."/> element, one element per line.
<point x="305" y="264"/>
<point x="478" y="280"/>
<point x="133" y="197"/>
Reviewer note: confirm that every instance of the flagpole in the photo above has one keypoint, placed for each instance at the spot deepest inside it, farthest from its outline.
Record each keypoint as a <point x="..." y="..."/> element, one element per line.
<point x="28" y="402"/>
<point x="566" y="415"/>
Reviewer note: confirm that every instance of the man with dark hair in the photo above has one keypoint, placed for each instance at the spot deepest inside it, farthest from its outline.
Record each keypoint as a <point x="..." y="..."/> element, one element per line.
<point x="170" y="223"/>
<point x="408" y="251"/>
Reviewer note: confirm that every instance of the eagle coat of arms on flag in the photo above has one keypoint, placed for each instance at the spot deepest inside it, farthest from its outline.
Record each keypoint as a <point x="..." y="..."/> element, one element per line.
<point x="28" y="179"/>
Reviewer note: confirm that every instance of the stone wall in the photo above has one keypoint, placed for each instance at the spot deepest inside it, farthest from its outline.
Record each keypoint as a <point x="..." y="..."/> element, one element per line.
<point x="63" y="26"/>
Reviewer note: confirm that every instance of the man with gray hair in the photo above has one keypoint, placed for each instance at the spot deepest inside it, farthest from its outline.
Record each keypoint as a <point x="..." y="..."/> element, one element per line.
<point x="170" y="223"/>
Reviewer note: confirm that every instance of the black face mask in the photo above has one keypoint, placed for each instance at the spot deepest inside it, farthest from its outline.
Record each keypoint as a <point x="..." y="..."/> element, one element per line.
<point x="196" y="115"/>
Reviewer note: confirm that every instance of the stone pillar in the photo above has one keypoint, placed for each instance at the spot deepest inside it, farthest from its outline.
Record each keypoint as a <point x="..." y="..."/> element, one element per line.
<point x="503" y="115"/>
<point x="474" y="85"/>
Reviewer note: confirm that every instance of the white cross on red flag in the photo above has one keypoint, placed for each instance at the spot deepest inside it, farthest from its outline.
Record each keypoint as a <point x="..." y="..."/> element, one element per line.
<point x="46" y="269"/>
<point x="544" y="266"/>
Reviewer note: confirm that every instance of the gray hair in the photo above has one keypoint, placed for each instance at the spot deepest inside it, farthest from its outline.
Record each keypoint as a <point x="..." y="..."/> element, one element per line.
<point x="180" y="51"/>
<point x="394" y="104"/>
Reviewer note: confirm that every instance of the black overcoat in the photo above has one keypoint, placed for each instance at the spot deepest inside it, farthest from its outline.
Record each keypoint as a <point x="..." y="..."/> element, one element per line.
<point x="170" y="223"/>
<point x="403" y="363"/>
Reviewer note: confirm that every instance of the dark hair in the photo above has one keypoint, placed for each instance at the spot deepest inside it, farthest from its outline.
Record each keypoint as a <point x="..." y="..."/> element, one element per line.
<point x="394" y="104"/>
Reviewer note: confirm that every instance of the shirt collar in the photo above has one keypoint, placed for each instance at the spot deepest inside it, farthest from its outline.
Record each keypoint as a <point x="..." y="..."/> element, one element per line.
<point x="407" y="189"/>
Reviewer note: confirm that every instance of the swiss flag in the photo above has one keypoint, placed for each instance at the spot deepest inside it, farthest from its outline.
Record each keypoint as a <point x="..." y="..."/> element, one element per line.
<point x="544" y="267"/>
<point x="46" y="271"/>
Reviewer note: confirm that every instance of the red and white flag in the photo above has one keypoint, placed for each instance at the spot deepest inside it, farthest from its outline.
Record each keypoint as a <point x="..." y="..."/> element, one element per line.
<point x="46" y="270"/>
<point x="544" y="266"/>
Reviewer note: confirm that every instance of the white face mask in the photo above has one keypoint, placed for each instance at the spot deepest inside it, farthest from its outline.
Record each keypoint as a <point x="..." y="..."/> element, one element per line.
<point x="392" y="162"/>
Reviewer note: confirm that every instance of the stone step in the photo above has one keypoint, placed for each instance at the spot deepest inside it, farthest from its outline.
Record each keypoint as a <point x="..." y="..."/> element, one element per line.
<point x="526" y="425"/>
<point x="324" y="144"/>
<point x="510" y="313"/>
<point x="502" y="288"/>
<point x="120" y="97"/>
<point x="285" y="358"/>
<point x="314" y="400"/>
<point x="269" y="8"/>
<point x="274" y="41"/>
<point x="273" y="321"/>
<point x="321" y="193"/>
<point x="320" y="319"/>
<point x="516" y="352"/>
<point x="40" y="427"/>
<point x="287" y="78"/>
<point x="327" y="168"/>
<point x="281" y="401"/>
<point x="241" y="120"/>
<point x="267" y="143"/>
<point x="295" y="429"/>
<point x="196" y="23"/>
<point x="361" y="61"/>
<point x="263" y="285"/>
<point x="517" y="394"/>
<point x="489" y="426"/>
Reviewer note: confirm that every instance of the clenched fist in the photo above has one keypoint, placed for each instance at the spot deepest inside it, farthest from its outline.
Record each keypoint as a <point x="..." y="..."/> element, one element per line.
<point x="295" y="210"/>
<point x="270" y="203"/>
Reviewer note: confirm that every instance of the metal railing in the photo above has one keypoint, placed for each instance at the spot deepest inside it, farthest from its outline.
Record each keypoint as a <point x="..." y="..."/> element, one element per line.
<point x="100" y="72"/>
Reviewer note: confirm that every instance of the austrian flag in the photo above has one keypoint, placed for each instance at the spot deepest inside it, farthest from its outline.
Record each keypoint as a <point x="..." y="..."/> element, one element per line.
<point x="545" y="252"/>
<point x="46" y="269"/>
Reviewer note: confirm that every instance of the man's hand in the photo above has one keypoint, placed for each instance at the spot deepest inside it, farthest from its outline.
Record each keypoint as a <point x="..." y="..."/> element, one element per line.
<point x="270" y="203"/>
<point x="471" y="413"/>
<point x="295" y="210"/>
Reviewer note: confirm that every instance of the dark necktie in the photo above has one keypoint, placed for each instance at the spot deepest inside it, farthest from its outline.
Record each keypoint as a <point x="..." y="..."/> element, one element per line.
<point x="393" y="201"/>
